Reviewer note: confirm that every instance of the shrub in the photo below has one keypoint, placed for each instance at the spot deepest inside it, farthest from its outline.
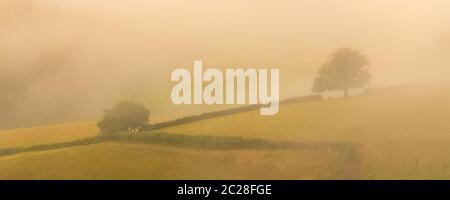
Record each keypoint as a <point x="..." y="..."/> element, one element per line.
<point x="124" y="116"/>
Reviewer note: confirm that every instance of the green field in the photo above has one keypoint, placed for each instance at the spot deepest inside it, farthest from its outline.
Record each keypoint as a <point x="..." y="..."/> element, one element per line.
<point x="402" y="133"/>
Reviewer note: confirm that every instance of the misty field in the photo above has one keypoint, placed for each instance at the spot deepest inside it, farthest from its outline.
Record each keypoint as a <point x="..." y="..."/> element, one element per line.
<point x="404" y="132"/>
<point x="75" y="61"/>
<point x="137" y="161"/>
<point x="401" y="133"/>
<point x="46" y="134"/>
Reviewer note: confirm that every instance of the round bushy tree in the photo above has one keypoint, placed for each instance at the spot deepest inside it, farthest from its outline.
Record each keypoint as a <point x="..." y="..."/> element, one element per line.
<point x="124" y="116"/>
<point x="346" y="68"/>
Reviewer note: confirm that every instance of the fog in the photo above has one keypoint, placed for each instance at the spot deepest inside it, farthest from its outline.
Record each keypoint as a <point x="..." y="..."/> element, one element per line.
<point x="67" y="60"/>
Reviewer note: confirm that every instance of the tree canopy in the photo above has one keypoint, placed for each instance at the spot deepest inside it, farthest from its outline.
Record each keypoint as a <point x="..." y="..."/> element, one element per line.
<point x="346" y="68"/>
<point x="124" y="116"/>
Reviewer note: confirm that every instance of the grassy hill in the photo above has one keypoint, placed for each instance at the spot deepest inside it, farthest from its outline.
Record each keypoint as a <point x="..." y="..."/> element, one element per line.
<point x="408" y="111"/>
<point x="46" y="134"/>
<point x="402" y="133"/>
<point x="141" y="161"/>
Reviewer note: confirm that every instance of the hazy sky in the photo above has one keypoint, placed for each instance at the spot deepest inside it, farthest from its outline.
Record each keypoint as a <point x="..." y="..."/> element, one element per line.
<point x="67" y="60"/>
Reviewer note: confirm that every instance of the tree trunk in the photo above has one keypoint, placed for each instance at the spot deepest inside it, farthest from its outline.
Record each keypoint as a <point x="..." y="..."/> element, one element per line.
<point x="346" y="93"/>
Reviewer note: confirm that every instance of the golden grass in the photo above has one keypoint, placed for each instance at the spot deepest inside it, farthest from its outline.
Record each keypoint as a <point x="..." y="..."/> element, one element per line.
<point x="139" y="161"/>
<point x="46" y="134"/>
<point x="404" y="133"/>
<point x="388" y="116"/>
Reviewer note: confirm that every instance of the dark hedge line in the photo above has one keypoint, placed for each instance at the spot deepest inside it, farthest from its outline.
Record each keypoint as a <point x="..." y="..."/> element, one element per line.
<point x="197" y="141"/>
<point x="174" y="140"/>
<point x="46" y="147"/>
<point x="224" y="143"/>
<point x="214" y="114"/>
<point x="188" y="141"/>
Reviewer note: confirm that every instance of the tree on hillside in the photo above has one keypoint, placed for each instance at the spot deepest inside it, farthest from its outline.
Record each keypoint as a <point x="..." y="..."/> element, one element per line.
<point x="345" y="69"/>
<point x="125" y="115"/>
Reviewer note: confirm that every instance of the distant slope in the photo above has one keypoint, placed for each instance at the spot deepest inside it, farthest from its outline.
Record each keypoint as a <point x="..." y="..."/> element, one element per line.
<point x="46" y="134"/>
<point x="412" y="111"/>
<point x="226" y="112"/>
<point x="404" y="131"/>
<point x="133" y="161"/>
